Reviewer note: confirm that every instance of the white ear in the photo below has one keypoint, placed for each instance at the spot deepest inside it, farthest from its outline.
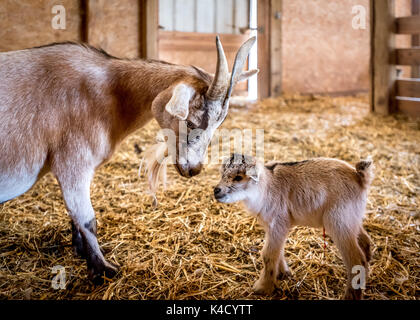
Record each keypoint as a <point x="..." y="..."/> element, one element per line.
<point x="254" y="173"/>
<point x="179" y="104"/>
<point x="247" y="74"/>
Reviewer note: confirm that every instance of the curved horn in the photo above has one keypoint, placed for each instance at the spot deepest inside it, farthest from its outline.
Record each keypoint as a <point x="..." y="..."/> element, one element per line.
<point x="239" y="63"/>
<point x="220" y="82"/>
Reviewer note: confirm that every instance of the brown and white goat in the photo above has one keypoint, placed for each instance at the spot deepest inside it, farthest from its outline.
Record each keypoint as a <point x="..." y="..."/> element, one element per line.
<point x="317" y="192"/>
<point x="65" y="108"/>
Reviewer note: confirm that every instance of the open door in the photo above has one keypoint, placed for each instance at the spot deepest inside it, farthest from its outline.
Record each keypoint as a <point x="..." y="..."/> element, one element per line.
<point x="188" y="28"/>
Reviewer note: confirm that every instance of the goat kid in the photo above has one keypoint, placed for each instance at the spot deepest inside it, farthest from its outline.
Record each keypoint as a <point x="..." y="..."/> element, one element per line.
<point x="317" y="192"/>
<point x="65" y="108"/>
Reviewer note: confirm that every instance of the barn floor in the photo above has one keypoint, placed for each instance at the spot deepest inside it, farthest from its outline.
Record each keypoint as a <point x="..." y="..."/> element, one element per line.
<point x="191" y="247"/>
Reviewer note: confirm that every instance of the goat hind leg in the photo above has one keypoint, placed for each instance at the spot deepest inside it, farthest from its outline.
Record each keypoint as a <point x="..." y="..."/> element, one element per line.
<point x="283" y="271"/>
<point x="353" y="256"/>
<point x="365" y="243"/>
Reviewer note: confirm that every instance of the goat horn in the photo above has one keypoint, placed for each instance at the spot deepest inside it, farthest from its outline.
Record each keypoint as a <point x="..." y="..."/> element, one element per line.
<point x="220" y="82"/>
<point x="239" y="63"/>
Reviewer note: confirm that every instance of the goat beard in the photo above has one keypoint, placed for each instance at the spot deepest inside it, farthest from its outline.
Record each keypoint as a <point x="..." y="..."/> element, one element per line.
<point x="155" y="161"/>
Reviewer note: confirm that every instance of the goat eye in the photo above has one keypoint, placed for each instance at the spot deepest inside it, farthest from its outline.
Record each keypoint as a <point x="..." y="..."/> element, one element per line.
<point x="190" y="124"/>
<point x="237" y="178"/>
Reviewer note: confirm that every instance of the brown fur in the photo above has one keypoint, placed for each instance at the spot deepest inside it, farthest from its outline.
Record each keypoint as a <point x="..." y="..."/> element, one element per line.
<point x="319" y="192"/>
<point x="65" y="108"/>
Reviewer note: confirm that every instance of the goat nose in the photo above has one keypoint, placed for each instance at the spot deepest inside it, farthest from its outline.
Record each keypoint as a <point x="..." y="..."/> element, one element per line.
<point x="195" y="170"/>
<point x="217" y="191"/>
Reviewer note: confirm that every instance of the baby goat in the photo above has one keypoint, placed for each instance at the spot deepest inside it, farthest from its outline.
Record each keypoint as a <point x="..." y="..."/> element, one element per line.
<point x="317" y="192"/>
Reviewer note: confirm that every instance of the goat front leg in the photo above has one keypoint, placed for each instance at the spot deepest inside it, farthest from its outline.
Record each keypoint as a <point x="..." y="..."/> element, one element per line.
<point x="75" y="189"/>
<point x="273" y="259"/>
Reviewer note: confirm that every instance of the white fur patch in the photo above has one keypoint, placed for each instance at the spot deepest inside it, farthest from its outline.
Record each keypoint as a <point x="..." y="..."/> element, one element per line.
<point x="13" y="185"/>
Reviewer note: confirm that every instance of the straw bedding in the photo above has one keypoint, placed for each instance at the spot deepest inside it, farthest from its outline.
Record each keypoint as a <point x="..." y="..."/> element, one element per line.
<point x="190" y="247"/>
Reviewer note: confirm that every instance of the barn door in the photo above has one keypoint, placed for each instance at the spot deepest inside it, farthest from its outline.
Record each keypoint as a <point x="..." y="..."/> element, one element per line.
<point x="187" y="31"/>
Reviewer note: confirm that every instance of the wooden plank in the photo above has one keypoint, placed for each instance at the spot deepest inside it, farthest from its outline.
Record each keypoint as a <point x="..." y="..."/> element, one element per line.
<point x="83" y="31"/>
<point x="149" y="29"/>
<point x="409" y="56"/>
<point x="408" y="25"/>
<point x="184" y="15"/>
<point x="275" y="44"/>
<point x="415" y="39"/>
<point x="193" y="41"/>
<point x="409" y="106"/>
<point x="206" y="16"/>
<point x="264" y="56"/>
<point x="26" y="23"/>
<point x="382" y="68"/>
<point x="408" y="87"/>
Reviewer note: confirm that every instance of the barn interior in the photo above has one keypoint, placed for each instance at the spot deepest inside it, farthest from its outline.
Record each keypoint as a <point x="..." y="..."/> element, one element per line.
<point x="335" y="81"/>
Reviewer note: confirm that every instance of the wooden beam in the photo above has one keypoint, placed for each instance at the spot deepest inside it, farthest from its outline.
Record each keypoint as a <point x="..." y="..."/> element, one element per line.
<point x="408" y="87"/>
<point x="409" y="106"/>
<point x="264" y="56"/>
<point x="408" y="25"/>
<point x="84" y="9"/>
<point x="149" y="29"/>
<point x="415" y="39"/>
<point x="275" y="47"/>
<point x="409" y="56"/>
<point x="382" y="68"/>
<point x="195" y="41"/>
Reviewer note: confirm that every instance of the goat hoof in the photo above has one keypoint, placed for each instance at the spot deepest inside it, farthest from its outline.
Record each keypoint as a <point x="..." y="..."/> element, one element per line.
<point x="262" y="288"/>
<point x="284" y="275"/>
<point x="353" y="294"/>
<point x="103" y="273"/>
<point x="79" y="251"/>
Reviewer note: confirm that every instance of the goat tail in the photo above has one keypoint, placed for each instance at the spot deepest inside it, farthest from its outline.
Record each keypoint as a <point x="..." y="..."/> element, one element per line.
<point x="364" y="170"/>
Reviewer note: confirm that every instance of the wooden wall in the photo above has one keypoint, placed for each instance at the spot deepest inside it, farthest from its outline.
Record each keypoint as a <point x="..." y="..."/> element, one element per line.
<point x="115" y="26"/>
<point x="27" y="23"/>
<point x="403" y="9"/>
<point x="322" y="52"/>
<point x="391" y="92"/>
<point x="319" y="51"/>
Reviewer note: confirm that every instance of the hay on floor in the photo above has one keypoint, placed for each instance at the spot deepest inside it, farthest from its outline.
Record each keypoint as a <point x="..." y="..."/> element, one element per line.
<point x="190" y="247"/>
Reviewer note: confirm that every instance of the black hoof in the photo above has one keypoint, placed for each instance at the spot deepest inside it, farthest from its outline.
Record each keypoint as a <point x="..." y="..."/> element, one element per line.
<point x="103" y="273"/>
<point x="79" y="251"/>
<point x="353" y="294"/>
<point x="284" y="275"/>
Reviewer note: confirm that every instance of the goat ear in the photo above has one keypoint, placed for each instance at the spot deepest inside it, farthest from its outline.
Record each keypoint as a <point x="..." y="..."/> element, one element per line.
<point x="247" y="74"/>
<point x="254" y="173"/>
<point x="178" y="105"/>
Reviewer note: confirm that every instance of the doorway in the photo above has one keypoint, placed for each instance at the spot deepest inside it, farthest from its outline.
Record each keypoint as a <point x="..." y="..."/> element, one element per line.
<point x="187" y="31"/>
